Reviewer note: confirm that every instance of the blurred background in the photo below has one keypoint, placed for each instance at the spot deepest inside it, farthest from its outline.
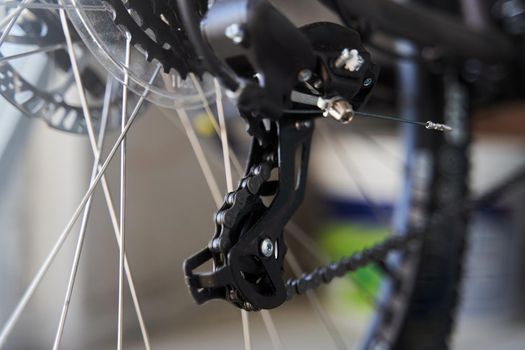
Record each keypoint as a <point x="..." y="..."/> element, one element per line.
<point x="44" y="173"/>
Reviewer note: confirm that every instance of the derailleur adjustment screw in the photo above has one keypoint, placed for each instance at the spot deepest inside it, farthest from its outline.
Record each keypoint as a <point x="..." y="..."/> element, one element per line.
<point x="350" y="60"/>
<point x="303" y="124"/>
<point x="235" y="32"/>
<point x="318" y="84"/>
<point x="304" y="75"/>
<point x="267" y="247"/>
<point x="337" y="108"/>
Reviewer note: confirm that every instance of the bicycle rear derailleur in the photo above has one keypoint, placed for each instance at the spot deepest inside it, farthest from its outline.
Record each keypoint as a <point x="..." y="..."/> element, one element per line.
<point x="273" y="58"/>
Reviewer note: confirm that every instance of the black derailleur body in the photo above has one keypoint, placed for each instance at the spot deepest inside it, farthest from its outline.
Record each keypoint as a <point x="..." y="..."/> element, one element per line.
<point x="248" y="247"/>
<point x="273" y="58"/>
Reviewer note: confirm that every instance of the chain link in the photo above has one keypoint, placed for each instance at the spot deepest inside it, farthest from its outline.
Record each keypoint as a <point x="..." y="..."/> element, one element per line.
<point x="325" y="274"/>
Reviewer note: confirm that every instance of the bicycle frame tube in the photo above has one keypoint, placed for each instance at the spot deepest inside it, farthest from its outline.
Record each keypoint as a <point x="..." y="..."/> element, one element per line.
<point x="428" y="27"/>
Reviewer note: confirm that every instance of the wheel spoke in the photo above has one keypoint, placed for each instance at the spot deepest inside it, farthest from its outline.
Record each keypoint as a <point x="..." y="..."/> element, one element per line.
<point x="236" y="163"/>
<point x="211" y="181"/>
<point x="96" y="152"/>
<point x="50" y="48"/>
<point x="83" y="226"/>
<point x="224" y="137"/>
<point x="323" y="315"/>
<point x="355" y="175"/>
<point x="229" y="186"/>
<point x="19" y="8"/>
<point x="37" y="279"/>
<point x="122" y="247"/>
<point x="308" y="243"/>
<point x="199" y="154"/>
<point x="276" y="340"/>
<point x="391" y="158"/>
<point x="214" y="189"/>
<point x="246" y="330"/>
<point x="124" y="129"/>
<point x="30" y="4"/>
<point x="12" y="20"/>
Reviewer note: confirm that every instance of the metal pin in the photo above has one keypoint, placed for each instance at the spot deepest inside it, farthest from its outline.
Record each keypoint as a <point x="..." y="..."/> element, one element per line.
<point x="436" y="126"/>
<point x="341" y="110"/>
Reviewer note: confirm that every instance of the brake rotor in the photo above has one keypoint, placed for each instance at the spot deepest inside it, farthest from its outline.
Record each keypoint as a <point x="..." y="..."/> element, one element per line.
<point x="41" y="85"/>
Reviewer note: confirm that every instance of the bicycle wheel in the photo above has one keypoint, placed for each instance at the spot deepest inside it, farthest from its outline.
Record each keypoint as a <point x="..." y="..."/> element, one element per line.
<point x="420" y="288"/>
<point x="418" y="306"/>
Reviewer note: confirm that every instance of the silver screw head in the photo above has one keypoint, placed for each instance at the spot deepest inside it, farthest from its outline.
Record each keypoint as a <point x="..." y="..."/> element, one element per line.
<point x="350" y="60"/>
<point x="235" y="32"/>
<point x="367" y="82"/>
<point x="267" y="247"/>
<point x="304" y="75"/>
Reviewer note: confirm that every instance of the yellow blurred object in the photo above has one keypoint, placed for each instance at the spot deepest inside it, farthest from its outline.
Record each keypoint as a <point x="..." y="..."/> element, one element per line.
<point x="203" y="125"/>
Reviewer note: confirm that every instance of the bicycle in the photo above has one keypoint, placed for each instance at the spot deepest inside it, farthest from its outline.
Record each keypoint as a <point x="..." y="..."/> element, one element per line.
<point x="183" y="55"/>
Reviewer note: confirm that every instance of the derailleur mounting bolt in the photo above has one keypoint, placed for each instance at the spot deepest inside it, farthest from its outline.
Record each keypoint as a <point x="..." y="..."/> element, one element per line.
<point x="235" y="32"/>
<point x="267" y="247"/>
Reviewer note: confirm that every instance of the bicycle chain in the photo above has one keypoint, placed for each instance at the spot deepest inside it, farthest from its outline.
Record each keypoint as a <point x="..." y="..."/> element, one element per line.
<point x="239" y="203"/>
<point x="325" y="274"/>
<point x="243" y="207"/>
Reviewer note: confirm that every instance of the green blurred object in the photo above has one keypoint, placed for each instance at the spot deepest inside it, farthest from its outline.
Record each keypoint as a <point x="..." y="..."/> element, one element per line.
<point x="340" y="239"/>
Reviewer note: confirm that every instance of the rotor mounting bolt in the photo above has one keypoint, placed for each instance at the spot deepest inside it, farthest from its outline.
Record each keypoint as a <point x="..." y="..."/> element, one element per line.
<point x="267" y="247"/>
<point x="304" y="75"/>
<point x="235" y="32"/>
<point x="350" y="60"/>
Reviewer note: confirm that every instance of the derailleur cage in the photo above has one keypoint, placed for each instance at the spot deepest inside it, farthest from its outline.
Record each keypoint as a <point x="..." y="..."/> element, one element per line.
<point x="248" y="247"/>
